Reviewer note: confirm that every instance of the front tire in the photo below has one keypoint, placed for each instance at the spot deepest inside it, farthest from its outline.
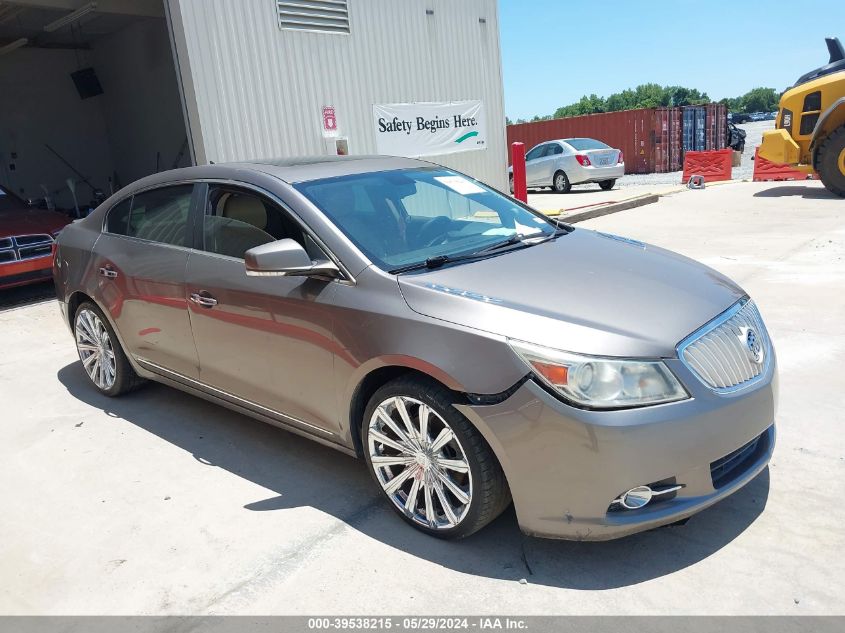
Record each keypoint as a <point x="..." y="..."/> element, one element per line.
<point x="435" y="468"/>
<point x="102" y="357"/>
<point x="560" y="183"/>
<point x="831" y="162"/>
<point x="607" y="185"/>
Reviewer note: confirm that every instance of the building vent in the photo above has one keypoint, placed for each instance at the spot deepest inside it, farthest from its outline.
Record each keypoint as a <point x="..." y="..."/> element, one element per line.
<point x="330" y="16"/>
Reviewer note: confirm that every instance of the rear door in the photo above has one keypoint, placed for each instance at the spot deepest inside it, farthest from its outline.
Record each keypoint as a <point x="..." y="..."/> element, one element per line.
<point x="264" y="342"/>
<point x="140" y="262"/>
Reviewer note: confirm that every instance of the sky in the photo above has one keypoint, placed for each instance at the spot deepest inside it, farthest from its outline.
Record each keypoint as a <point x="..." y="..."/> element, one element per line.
<point x="555" y="51"/>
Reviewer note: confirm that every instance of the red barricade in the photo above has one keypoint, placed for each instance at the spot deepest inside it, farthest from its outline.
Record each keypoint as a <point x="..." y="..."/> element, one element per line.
<point x="712" y="165"/>
<point x="767" y="170"/>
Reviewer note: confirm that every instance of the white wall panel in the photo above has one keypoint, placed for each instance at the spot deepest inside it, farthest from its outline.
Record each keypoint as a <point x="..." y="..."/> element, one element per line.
<point x="255" y="90"/>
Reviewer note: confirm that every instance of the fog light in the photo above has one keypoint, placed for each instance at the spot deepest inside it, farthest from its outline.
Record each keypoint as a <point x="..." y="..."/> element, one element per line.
<point x="636" y="497"/>
<point x="640" y="496"/>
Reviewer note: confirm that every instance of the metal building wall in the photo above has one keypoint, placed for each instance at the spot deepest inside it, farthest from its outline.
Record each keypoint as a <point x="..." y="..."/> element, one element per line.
<point x="253" y="90"/>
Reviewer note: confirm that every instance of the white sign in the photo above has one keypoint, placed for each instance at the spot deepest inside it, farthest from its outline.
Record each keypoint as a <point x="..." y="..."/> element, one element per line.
<point x="427" y="129"/>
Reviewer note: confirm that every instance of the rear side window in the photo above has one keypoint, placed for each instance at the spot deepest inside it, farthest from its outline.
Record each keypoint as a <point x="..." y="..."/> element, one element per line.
<point x="159" y="215"/>
<point x="118" y="218"/>
<point x="554" y="148"/>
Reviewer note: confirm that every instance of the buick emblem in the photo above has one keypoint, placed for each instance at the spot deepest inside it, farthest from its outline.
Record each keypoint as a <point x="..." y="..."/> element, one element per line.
<point x="752" y="343"/>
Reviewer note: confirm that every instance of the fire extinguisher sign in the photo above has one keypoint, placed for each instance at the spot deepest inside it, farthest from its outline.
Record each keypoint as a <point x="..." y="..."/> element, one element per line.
<point x="329" y="121"/>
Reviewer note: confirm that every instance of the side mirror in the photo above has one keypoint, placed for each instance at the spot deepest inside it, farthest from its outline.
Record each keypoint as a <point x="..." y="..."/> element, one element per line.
<point x="286" y="258"/>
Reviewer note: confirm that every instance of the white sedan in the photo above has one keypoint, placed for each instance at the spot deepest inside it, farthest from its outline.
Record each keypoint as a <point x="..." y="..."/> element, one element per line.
<point x="572" y="161"/>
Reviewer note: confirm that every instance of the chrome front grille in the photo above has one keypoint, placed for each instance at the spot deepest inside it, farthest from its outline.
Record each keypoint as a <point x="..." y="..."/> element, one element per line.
<point x="23" y="247"/>
<point x="731" y="352"/>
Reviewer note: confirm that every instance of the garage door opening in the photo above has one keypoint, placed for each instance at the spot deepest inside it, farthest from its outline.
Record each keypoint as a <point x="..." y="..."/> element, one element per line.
<point x="90" y="99"/>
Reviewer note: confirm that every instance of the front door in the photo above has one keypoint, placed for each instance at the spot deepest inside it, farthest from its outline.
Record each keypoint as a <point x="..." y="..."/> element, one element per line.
<point x="548" y="163"/>
<point x="140" y="262"/>
<point x="534" y="165"/>
<point x="265" y="342"/>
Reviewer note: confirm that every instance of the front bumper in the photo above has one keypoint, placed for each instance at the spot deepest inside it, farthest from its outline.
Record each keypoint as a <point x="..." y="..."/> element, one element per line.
<point x="565" y="465"/>
<point x="27" y="271"/>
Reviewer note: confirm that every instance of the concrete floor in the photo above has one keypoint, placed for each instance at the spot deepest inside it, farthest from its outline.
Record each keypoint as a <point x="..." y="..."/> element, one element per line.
<point x="159" y="503"/>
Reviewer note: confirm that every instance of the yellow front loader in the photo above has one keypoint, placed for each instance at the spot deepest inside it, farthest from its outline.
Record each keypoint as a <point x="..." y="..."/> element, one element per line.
<point x="809" y="130"/>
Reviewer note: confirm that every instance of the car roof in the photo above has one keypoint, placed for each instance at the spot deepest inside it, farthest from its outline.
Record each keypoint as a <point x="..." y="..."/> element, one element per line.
<point x="566" y="140"/>
<point x="305" y="168"/>
<point x="290" y="170"/>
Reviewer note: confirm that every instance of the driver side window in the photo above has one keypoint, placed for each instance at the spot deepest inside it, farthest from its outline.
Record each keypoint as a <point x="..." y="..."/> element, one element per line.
<point x="537" y="152"/>
<point x="236" y="221"/>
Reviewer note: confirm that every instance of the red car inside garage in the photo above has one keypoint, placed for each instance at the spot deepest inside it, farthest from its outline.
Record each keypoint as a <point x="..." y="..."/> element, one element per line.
<point x="26" y="240"/>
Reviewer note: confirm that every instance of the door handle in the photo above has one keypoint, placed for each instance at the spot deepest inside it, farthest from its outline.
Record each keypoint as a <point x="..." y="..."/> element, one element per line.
<point x="108" y="273"/>
<point x="204" y="300"/>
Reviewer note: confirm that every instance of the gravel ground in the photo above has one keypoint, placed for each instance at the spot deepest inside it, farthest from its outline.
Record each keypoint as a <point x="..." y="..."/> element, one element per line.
<point x="744" y="171"/>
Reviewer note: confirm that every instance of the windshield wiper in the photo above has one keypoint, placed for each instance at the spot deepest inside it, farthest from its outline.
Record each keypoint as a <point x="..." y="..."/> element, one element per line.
<point x="437" y="261"/>
<point x="516" y="238"/>
<point x="519" y="238"/>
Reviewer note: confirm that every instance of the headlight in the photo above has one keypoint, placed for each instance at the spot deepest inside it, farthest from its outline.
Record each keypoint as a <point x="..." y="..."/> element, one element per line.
<point x="602" y="383"/>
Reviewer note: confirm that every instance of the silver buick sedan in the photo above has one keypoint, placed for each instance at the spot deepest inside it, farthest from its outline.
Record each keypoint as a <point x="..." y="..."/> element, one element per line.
<point x="572" y="161"/>
<point x="412" y="316"/>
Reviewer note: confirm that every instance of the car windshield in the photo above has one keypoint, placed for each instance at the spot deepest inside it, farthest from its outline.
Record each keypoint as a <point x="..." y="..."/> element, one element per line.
<point x="584" y="144"/>
<point x="406" y="217"/>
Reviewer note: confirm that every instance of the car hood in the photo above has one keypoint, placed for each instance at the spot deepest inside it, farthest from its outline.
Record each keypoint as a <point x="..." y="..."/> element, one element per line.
<point x="585" y="292"/>
<point x="26" y="221"/>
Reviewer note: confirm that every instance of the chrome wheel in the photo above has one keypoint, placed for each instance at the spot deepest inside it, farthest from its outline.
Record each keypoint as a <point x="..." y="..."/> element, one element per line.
<point x="420" y="463"/>
<point x="560" y="182"/>
<point x="95" y="349"/>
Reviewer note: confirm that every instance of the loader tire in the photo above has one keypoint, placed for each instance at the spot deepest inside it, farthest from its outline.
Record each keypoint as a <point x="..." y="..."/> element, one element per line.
<point x="830" y="162"/>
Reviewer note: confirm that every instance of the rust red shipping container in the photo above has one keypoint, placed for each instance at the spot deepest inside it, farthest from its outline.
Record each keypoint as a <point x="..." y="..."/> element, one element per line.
<point x="650" y="138"/>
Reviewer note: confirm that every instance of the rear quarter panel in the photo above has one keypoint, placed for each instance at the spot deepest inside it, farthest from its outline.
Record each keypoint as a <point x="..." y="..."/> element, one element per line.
<point x="74" y="256"/>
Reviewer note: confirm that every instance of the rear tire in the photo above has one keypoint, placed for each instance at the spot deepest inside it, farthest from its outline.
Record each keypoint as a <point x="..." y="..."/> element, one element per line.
<point x="416" y="482"/>
<point x="607" y="185"/>
<point x="560" y="183"/>
<point x="102" y="357"/>
<point x="830" y="162"/>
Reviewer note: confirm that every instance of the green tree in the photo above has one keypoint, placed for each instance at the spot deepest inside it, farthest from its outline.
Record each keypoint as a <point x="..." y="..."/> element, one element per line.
<point x="680" y="96"/>
<point x="649" y="96"/>
<point x="653" y="95"/>
<point x="759" y="100"/>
